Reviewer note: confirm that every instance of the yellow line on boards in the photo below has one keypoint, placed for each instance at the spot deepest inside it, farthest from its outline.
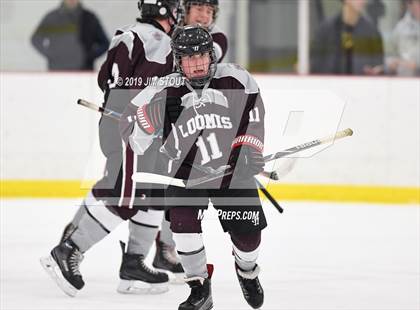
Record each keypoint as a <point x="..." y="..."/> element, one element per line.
<point x="346" y="193"/>
<point x="44" y="188"/>
<point x="312" y="192"/>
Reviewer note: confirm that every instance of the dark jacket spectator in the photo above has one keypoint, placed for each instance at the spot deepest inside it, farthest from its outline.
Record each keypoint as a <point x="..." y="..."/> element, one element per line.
<point x="70" y="37"/>
<point x="348" y="43"/>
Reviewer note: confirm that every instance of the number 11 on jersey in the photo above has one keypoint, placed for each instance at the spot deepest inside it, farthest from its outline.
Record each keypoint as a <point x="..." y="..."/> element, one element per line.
<point x="214" y="148"/>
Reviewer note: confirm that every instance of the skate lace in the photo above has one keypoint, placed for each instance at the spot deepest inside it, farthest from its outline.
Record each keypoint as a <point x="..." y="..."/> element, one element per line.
<point x="146" y="268"/>
<point x="74" y="261"/>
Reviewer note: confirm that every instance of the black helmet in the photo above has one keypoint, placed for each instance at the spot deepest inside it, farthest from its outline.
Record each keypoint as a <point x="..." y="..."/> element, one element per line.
<point x="150" y="9"/>
<point x="214" y="3"/>
<point x="191" y="40"/>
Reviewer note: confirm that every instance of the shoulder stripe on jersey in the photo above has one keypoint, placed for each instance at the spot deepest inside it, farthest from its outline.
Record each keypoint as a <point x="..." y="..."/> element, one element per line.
<point x="241" y="75"/>
<point x="127" y="38"/>
<point x="156" y="43"/>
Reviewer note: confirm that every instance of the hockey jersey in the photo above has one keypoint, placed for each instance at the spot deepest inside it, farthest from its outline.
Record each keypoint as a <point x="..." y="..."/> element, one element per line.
<point x="137" y="54"/>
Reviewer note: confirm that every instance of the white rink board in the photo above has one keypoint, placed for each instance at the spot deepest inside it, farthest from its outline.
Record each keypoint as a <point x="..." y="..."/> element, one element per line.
<point x="314" y="256"/>
<point x="45" y="135"/>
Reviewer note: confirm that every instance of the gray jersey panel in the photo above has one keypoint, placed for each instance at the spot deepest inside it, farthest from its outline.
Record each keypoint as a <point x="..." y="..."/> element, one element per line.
<point x="156" y="43"/>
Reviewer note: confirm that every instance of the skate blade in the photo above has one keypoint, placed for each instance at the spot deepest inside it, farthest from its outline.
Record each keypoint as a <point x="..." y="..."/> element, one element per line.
<point x="176" y="278"/>
<point x="142" y="288"/>
<point x="51" y="267"/>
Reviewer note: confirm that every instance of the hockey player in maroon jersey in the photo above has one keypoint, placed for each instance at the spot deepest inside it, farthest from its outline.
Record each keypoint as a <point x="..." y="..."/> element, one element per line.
<point x="204" y="12"/>
<point x="136" y="54"/>
<point x="214" y="118"/>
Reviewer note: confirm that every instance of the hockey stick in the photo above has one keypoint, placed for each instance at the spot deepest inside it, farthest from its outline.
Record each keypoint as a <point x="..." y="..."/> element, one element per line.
<point x="275" y="175"/>
<point x="269" y="196"/>
<point x="143" y="177"/>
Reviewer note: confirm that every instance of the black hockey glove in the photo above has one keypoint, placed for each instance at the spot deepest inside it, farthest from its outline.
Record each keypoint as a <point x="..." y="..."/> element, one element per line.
<point x="246" y="162"/>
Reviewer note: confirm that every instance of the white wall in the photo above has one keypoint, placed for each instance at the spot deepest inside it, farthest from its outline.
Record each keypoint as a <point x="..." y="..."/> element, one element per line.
<point x="385" y="115"/>
<point x="45" y="135"/>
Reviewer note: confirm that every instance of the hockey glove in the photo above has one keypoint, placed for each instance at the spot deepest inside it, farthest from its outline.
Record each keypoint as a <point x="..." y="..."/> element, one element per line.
<point x="246" y="162"/>
<point x="150" y="116"/>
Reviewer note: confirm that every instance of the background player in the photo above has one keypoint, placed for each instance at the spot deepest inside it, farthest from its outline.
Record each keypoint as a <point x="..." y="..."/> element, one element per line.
<point x="219" y="105"/>
<point x="140" y="51"/>
<point x="204" y="12"/>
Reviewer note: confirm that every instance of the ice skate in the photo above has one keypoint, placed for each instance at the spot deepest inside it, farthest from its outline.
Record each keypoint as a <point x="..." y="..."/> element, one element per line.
<point x="63" y="267"/>
<point x="251" y="287"/>
<point x="200" y="297"/>
<point x="167" y="260"/>
<point x="137" y="278"/>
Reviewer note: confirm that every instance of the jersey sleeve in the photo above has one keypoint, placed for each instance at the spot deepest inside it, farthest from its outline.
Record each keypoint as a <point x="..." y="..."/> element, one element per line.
<point x="250" y="115"/>
<point x="220" y="43"/>
<point x="139" y="138"/>
<point x="119" y="62"/>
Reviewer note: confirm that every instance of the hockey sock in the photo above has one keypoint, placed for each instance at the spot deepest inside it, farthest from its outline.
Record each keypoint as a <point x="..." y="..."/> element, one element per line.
<point x="165" y="235"/>
<point x="94" y="225"/>
<point x="79" y="214"/>
<point x="245" y="249"/>
<point x="143" y="228"/>
<point x="192" y="254"/>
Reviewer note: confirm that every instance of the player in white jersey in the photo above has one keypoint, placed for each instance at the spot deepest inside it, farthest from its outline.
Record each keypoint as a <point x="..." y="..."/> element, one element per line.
<point x="136" y="54"/>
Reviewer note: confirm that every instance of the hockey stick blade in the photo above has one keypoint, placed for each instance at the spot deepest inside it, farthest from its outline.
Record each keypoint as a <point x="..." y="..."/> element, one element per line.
<point x="145" y="177"/>
<point x="304" y="146"/>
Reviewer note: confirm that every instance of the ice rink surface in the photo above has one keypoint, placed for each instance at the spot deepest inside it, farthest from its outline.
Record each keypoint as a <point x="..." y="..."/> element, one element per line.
<point x="314" y="256"/>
